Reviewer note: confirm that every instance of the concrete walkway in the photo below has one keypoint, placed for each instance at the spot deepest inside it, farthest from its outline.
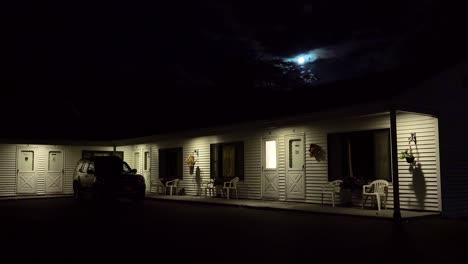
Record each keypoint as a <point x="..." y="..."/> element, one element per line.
<point x="292" y="206"/>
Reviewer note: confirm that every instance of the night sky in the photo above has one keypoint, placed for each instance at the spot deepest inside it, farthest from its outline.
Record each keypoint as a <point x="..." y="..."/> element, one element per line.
<point x="116" y="69"/>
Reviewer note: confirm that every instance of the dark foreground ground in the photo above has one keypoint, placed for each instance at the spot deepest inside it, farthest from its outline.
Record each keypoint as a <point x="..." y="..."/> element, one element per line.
<point x="66" y="231"/>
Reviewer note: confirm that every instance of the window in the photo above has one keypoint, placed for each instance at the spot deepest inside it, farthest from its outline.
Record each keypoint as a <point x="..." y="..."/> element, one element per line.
<point x="170" y="163"/>
<point x="147" y="161"/>
<point x="26" y="161"/>
<point x="227" y="160"/>
<point x="296" y="154"/>
<point x="270" y="154"/>
<point x="125" y="167"/>
<point x="55" y="161"/>
<point x="364" y="155"/>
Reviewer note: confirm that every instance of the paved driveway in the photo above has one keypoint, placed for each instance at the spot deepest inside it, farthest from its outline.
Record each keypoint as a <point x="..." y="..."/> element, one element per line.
<point x="65" y="231"/>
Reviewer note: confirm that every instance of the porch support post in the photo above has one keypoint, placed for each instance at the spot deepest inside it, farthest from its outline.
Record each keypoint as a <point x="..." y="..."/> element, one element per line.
<point x="395" y="180"/>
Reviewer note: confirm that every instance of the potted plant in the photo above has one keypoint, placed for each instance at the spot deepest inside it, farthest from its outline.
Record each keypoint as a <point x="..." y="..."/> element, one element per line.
<point x="408" y="155"/>
<point x="348" y="186"/>
<point x="190" y="160"/>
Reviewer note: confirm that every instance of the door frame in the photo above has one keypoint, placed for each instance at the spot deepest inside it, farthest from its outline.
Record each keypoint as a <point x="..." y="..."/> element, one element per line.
<point x="19" y="149"/>
<point x="47" y="168"/>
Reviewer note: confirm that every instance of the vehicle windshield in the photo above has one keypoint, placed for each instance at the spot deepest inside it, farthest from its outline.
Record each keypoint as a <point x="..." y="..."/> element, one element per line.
<point x="126" y="168"/>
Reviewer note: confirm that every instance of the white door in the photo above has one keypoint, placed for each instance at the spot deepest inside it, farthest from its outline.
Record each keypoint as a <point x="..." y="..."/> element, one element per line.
<point x="147" y="168"/>
<point x="295" y="166"/>
<point x="26" y="171"/>
<point x="54" y="176"/>
<point x="270" y="173"/>
<point x="136" y="162"/>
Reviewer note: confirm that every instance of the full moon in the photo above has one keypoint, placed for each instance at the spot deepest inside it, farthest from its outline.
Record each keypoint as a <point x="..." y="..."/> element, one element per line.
<point x="300" y="60"/>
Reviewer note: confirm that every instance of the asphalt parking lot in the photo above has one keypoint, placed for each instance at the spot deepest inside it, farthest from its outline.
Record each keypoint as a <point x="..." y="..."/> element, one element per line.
<point x="63" y="230"/>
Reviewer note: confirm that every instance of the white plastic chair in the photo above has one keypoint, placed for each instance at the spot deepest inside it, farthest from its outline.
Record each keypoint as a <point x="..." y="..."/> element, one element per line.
<point x="173" y="184"/>
<point x="231" y="185"/>
<point x="375" y="189"/>
<point x="331" y="188"/>
<point x="160" y="187"/>
<point x="209" y="187"/>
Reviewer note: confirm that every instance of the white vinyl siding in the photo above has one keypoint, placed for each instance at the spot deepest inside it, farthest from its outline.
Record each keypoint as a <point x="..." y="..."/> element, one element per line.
<point x="316" y="173"/>
<point x="425" y="128"/>
<point x="7" y="170"/>
<point x="419" y="191"/>
<point x="446" y="92"/>
<point x="250" y="187"/>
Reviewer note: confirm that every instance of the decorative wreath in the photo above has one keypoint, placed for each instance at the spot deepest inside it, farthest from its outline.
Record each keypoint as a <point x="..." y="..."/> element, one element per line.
<point x="317" y="152"/>
<point x="190" y="160"/>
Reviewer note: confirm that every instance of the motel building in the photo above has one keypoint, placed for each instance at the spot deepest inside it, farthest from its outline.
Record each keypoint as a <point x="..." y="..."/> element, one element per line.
<point x="289" y="160"/>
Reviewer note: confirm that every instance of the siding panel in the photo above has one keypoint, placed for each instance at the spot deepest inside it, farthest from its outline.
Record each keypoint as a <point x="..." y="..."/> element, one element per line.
<point x="7" y="170"/>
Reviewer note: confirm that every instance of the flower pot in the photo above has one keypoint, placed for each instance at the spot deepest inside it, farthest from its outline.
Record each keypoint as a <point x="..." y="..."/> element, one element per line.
<point x="410" y="160"/>
<point x="191" y="169"/>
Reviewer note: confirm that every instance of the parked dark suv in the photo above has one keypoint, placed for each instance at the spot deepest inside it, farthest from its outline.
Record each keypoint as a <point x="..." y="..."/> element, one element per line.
<point x="107" y="176"/>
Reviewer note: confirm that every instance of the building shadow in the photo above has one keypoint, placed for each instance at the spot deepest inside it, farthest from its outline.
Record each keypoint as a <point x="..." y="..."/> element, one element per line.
<point x="418" y="184"/>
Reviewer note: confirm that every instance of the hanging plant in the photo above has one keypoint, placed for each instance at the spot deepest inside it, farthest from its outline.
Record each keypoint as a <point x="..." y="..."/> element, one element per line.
<point x="408" y="155"/>
<point x="317" y="152"/>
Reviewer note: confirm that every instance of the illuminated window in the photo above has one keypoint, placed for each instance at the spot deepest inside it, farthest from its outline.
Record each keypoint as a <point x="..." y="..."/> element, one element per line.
<point x="270" y="154"/>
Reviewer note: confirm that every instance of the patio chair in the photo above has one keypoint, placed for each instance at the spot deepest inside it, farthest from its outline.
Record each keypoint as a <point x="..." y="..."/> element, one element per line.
<point x="231" y="185"/>
<point x="331" y="188"/>
<point x="173" y="184"/>
<point x="375" y="189"/>
<point x="208" y="186"/>
<point x="160" y="187"/>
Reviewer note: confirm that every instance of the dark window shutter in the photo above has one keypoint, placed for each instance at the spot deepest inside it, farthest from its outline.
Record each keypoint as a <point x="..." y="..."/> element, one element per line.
<point x="240" y="160"/>
<point x="213" y="152"/>
<point x="180" y="162"/>
<point x="162" y="164"/>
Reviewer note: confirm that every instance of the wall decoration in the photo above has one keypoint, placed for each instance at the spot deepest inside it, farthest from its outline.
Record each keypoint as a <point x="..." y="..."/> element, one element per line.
<point x="317" y="152"/>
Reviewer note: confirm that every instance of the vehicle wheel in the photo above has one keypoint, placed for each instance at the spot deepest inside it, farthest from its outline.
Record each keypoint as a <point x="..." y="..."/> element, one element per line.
<point x="77" y="194"/>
